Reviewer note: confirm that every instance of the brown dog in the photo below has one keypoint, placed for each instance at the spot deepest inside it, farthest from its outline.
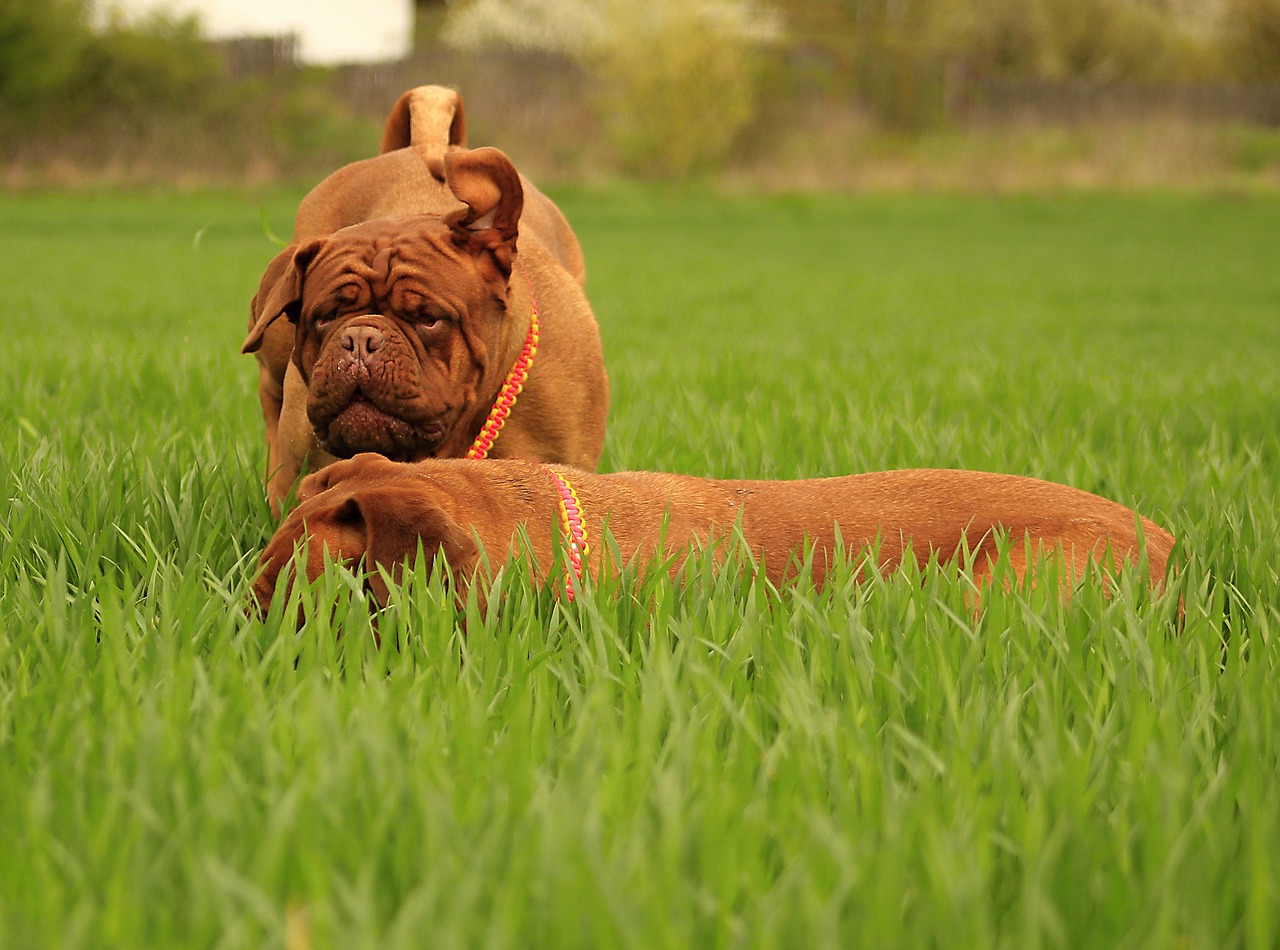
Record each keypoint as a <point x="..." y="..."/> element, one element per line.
<point x="411" y="312"/>
<point x="368" y="508"/>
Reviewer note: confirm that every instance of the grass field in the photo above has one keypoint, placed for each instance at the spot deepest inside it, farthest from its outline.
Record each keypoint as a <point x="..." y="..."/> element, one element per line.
<point x="735" y="767"/>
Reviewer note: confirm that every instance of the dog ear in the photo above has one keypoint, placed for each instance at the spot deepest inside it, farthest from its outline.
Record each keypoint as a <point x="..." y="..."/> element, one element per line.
<point x="277" y="556"/>
<point x="486" y="182"/>
<point x="279" y="292"/>
<point x="271" y="562"/>
<point x="395" y="523"/>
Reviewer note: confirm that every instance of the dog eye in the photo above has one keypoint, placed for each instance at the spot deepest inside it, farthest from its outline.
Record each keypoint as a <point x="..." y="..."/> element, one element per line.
<point x="430" y="322"/>
<point x="322" y="320"/>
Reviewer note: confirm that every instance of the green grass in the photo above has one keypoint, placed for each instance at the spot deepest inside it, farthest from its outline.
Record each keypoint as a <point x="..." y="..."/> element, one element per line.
<point x="731" y="766"/>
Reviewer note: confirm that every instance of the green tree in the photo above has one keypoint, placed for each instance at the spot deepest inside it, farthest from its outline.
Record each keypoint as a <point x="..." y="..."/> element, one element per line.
<point x="1252" y="38"/>
<point x="673" y="81"/>
<point x="41" y="48"/>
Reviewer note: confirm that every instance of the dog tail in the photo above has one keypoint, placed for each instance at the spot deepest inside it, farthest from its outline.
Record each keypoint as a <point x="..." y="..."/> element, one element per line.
<point x="429" y="119"/>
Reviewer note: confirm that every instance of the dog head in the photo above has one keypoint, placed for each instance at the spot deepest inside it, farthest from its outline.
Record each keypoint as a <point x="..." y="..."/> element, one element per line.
<point x="365" y="512"/>
<point x="400" y="323"/>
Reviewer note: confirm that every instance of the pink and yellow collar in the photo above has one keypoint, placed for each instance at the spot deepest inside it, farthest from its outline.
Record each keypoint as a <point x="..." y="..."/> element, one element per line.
<point x="512" y="386"/>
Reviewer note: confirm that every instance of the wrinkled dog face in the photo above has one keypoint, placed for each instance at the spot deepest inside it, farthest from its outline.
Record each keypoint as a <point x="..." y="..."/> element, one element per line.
<point x="401" y="321"/>
<point x="396" y="327"/>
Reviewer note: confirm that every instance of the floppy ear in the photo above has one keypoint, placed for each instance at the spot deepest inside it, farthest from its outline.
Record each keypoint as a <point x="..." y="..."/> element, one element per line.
<point x="279" y="292"/>
<point x="394" y="533"/>
<point x="394" y="524"/>
<point x="486" y="182"/>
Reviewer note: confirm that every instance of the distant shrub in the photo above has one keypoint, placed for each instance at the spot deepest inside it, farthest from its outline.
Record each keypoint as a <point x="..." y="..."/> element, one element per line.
<point x="56" y="73"/>
<point x="1251" y="38"/>
<point x="899" y="56"/>
<point x="146" y="98"/>
<point x="1079" y="39"/>
<point x="41" y="48"/>
<point x="674" y="82"/>
<point x="159" y="64"/>
<point x="565" y="27"/>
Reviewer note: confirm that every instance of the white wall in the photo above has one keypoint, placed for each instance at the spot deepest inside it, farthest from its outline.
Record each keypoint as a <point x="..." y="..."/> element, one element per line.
<point x="328" y="31"/>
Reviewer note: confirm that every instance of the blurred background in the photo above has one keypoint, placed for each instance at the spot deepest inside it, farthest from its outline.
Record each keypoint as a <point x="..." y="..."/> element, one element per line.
<point x="808" y="94"/>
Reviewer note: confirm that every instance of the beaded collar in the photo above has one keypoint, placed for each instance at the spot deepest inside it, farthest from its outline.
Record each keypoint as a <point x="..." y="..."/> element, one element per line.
<point x="512" y="386"/>
<point x="573" y="524"/>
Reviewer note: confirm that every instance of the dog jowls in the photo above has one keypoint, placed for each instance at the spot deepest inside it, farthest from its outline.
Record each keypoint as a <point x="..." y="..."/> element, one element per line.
<point x="393" y="320"/>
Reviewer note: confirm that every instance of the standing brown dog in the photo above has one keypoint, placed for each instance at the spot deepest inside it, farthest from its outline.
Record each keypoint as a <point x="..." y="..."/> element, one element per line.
<point x="376" y="511"/>
<point x="425" y="290"/>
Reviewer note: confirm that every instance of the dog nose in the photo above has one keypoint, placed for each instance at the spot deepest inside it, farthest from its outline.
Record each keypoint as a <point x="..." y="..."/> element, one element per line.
<point x="362" y="340"/>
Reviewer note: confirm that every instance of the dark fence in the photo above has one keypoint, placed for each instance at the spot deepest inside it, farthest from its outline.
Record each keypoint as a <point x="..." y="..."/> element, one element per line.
<point x="258" y="55"/>
<point x="531" y="91"/>
<point x="998" y="101"/>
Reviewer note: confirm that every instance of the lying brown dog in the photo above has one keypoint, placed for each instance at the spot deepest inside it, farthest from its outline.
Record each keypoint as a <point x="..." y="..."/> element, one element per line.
<point x="425" y="290"/>
<point x="368" y="508"/>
